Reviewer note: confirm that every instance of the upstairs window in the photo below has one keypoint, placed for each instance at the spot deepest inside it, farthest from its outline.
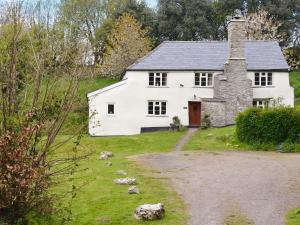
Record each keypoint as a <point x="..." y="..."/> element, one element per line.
<point x="263" y="79"/>
<point x="157" y="108"/>
<point x="110" y="109"/>
<point x="157" y="79"/>
<point x="204" y="79"/>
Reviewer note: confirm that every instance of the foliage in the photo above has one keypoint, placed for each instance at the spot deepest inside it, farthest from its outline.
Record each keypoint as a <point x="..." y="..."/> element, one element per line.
<point x="33" y="54"/>
<point x="183" y="20"/>
<point x="206" y="122"/>
<point x="127" y="42"/>
<point x="293" y="217"/>
<point x="99" y="200"/>
<point x="201" y="20"/>
<point x="295" y="82"/>
<point x="176" y="125"/>
<point x="292" y="56"/>
<point x="261" y="26"/>
<point x="273" y="125"/>
<point x="22" y="176"/>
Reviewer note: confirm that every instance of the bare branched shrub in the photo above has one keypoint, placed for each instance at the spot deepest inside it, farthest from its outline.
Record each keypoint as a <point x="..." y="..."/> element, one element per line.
<point x="39" y="71"/>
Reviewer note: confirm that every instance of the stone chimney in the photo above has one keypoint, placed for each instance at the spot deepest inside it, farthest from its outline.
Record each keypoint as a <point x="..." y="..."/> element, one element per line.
<point x="233" y="86"/>
<point x="237" y="36"/>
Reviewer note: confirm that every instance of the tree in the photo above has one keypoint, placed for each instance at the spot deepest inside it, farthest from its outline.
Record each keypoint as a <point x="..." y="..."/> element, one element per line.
<point x="184" y="20"/>
<point x="84" y="20"/>
<point x="126" y="43"/>
<point x="35" y="59"/>
<point x="261" y="26"/>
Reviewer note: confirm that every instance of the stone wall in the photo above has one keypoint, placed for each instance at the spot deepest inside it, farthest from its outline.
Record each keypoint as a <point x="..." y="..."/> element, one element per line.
<point x="216" y="111"/>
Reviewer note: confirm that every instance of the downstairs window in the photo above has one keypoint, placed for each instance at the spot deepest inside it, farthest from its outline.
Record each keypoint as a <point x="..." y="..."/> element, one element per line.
<point x="157" y="108"/>
<point x="262" y="104"/>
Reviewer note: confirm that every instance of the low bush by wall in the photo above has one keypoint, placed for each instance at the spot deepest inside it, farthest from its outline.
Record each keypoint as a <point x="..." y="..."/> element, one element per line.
<point x="273" y="125"/>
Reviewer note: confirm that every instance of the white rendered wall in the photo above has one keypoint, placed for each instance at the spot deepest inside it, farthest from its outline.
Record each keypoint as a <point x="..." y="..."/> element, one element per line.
<point x="280" y="89"/>
<point x="131" y="103"/>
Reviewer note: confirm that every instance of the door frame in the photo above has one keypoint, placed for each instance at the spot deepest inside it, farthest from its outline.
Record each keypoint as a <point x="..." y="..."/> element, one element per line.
<point x="189" y="113"/>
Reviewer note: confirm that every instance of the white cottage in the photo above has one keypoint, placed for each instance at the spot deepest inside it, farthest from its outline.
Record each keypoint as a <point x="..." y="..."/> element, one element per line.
<point x="191" y="79"/>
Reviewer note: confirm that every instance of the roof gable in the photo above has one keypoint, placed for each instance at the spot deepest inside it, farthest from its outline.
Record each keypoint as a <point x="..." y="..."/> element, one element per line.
<point x="210" y="55"/>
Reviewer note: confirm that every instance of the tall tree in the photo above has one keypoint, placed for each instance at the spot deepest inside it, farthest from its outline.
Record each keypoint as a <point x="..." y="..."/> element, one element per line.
<point x="84" y="20"/>
<point x="127" y="42"/>
<point x="184" y="19"/>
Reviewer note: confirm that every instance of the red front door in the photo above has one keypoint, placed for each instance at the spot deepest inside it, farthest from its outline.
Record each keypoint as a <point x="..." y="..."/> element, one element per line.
<point x="194" y="113"/>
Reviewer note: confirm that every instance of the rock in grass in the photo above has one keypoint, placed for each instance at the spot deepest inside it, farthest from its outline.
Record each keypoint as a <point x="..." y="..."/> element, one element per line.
<point x="105" y="155"/>
<point x="127" y="180"/>
<point x="121" y="172"/>
<point x="108" y="164"/>
<point x="133" y="190"/>
<point x="149" y="211"/>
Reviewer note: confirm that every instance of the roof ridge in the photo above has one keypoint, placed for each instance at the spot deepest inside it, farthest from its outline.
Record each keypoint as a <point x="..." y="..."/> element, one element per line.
<point x="215" y="41"/>
<point x="148" y="54"/>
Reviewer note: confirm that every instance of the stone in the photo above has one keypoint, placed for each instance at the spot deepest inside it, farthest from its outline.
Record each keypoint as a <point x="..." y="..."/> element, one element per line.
<point x="149" y="211"/>
<point x="108" y="164"/>
<point x="127" y="180"/>
<point x="133" y="190"/>
<point x="121" y="172"/>
<point x="105" y="155"/>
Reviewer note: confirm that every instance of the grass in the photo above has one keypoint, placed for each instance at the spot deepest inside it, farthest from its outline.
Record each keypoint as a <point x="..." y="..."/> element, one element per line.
<point x="100" y="201"/>
<point x="293" y="217"/>
<point x="237" y="219"/>
<point x="78" y="118"/>
<point x="295" y="82"/>
<point x="218" y="139"/>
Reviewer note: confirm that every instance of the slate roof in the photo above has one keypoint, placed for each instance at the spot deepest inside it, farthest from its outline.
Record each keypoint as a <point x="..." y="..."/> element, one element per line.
<point x="209" y="55"/>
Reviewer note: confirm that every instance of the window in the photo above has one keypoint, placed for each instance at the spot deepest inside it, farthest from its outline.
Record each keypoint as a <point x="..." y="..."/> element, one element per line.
<point x="157" y="79"/>
<point x="111" y="109"/>
<point x="261" y="103"/>
<point x="157" y="108"/>
<point x="204" y="79"/>
<point x="263" y="79"/>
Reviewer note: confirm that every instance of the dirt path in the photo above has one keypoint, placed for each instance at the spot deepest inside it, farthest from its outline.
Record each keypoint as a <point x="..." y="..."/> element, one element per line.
<point x="185" y="139"/>
<point x="262" y="186"/>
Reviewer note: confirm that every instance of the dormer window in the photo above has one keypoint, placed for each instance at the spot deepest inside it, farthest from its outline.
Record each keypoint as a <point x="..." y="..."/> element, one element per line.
<point x="157" y="79"/>
<point x="263" y="79"/>
<point x="204" y="79"/>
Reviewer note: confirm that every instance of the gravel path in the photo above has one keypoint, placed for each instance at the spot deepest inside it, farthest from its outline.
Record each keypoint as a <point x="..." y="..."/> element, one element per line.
<point x="260" y="185"/>
<point x="185" y="139"/>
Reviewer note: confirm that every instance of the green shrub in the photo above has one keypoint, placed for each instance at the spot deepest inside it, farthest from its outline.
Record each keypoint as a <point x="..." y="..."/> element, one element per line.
<point x="274" y="125"/>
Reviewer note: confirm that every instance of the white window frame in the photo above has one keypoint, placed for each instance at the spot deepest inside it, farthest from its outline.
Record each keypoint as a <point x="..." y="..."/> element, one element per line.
<point x="158" y="79"/>
<point x="266" y="76"/>
<point x="114" y="109"/>
<point x="155" y="104"/>
<point x="205" y="76"/>
<point x="261" y="103"/>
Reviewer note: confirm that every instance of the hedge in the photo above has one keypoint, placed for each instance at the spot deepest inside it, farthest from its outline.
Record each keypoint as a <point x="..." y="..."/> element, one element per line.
<point x="273" y="125"/>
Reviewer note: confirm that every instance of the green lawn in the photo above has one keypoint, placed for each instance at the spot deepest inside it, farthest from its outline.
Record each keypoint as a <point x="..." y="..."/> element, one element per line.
<point x="293" y="217"/>
<point x="100" y="201"/>
<point x="216" y="139"/>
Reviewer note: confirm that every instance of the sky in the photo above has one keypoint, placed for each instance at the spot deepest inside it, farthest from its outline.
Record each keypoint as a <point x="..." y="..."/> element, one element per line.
<point x="152" y="3"/>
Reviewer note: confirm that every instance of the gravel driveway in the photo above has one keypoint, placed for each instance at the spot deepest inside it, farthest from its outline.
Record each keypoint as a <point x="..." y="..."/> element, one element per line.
<point x="260" y="185"/>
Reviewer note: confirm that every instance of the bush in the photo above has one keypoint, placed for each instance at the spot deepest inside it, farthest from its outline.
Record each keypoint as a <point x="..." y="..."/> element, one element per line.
<point x="264" y="126"/>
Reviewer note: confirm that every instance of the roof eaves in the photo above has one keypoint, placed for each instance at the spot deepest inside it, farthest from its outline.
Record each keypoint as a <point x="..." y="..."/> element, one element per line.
<point x="107" y="88"/>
